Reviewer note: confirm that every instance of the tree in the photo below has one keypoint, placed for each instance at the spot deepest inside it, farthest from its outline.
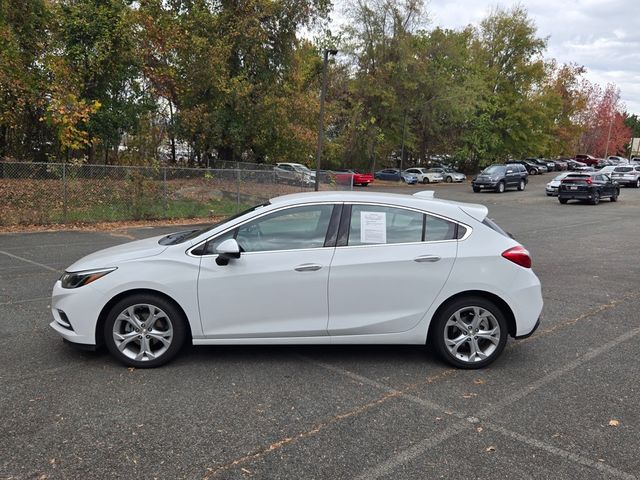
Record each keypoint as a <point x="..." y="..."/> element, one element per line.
<point x="23" y="43"/>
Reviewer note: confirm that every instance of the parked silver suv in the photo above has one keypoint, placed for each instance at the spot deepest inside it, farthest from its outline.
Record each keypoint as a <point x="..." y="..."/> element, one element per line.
<point x="628" y="175"/>
<point x="295" y="173"/>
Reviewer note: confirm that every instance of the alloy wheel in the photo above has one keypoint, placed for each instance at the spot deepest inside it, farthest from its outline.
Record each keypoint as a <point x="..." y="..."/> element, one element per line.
<point x="472" y="334"/>
<point x="143" y="332"/>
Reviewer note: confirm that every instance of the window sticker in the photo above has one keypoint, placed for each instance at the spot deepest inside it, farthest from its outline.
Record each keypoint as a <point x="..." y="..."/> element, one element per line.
<point x="373" y="227"/>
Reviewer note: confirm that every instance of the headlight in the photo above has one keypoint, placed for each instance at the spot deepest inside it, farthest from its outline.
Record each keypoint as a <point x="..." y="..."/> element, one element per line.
<point x="79" y="279"/>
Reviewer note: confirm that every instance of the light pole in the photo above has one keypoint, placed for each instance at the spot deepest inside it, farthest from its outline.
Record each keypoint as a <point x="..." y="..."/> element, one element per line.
<point x="606" y="151"/>
<point x="323" y="92"/>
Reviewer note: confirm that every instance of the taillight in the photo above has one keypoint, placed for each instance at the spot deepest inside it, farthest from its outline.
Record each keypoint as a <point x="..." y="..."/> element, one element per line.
<point x="588" y="180"/>
<point x="518" y="255"/>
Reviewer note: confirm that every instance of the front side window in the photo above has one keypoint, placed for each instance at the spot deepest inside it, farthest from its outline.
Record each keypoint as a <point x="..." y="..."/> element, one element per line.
<point x="290" y="229"/>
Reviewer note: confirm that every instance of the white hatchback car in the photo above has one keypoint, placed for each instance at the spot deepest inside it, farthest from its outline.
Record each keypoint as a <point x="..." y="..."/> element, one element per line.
<point x="309" y="268"/>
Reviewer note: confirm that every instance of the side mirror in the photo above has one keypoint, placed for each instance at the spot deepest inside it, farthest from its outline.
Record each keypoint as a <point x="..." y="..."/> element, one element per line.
<point x="227" y="250"/>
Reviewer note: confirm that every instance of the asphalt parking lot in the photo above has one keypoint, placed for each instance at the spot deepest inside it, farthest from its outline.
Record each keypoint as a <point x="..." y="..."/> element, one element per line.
<point x="562" y="404"/>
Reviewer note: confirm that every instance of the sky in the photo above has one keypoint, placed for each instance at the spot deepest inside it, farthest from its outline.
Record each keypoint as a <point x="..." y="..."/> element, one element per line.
<point x="601" y="35"/>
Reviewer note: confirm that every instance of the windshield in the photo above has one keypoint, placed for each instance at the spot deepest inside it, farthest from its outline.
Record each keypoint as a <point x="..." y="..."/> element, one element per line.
<point x="493" y="169"/>
<point x="180" y="237"/>
<point x="623" y="169"/>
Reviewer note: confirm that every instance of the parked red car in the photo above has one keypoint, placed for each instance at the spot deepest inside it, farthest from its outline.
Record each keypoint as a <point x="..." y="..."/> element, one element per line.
<point x="588" y="159"/>
<point x="343" y="177"/>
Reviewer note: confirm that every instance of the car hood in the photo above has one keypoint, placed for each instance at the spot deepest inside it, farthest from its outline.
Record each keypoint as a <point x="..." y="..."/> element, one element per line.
<point x="111" y="257"/>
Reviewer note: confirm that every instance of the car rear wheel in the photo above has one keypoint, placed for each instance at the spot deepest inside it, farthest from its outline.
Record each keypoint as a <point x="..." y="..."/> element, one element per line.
<point x="596" y="198"/>
<point x="563" y="200"/>
<point x="449" y="179"/>
<point x="614" y="197"/>
<point x="521" y="185"/>
<point x="425" y="180"/>
<point x="470" y="333"/>
<point x="500" y="187"/>
<point x="144" y="331"/>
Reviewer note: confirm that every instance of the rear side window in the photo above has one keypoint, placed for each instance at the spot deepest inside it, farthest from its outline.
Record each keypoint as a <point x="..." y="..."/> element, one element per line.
<point x="438" y="229"/>
<point x="372" y="224"/>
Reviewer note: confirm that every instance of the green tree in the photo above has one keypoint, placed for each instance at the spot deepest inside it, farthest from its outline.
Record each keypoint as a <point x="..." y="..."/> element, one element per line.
<point x="23" y="43"/>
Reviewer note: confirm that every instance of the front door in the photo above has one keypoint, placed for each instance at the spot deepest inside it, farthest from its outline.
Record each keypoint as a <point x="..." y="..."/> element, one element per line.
<point x="278" y="286"/>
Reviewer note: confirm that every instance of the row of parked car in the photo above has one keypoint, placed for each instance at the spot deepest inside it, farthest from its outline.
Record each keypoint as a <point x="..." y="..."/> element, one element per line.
<point x="301" y="174"/>
<point x="421" y="175"/>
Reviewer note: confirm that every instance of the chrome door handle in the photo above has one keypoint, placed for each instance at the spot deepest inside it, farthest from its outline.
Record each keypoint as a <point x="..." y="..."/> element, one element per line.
<point x="426" y="258"/>
<point x="308" y="267"/>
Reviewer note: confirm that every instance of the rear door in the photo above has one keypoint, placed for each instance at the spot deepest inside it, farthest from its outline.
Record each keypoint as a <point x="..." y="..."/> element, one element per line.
<point x="388" y="268"/>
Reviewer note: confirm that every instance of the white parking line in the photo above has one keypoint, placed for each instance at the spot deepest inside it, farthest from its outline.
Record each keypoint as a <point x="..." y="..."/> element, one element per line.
<point x="16" y="302"/>
<point x="29" y="261"/>
<point x="386" y="468"/>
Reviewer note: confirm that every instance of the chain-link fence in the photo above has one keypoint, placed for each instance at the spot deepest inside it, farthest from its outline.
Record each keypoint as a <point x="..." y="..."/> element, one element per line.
<point x="42" y="193"/>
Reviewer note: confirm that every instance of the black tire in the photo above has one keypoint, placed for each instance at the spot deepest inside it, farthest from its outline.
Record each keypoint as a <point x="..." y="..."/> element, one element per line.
<point x="596" y="198"/>
<point x="476" y="189"/>
<point x="173" y="320"/>
<point x="638" y="183"/>
<point x="549" y="195"/>
<point x="439" y="330"/>
<point x="449" y="179"/>
<point x="533" y="171"/>
<point x="522" y="185"/>
<point x="500" y="188"/>
<point x="563" y="200"/>
<point x="614" y="197"/>
<point x="425" y="180"/>
<point x="365" y="184"/>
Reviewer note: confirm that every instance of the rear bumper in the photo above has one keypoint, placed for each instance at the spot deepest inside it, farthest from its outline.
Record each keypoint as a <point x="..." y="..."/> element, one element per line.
<point x="576" y="195"/>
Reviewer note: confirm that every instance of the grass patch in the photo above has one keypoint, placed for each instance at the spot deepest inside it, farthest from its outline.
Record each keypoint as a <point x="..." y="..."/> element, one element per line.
<point x="121" y="211"/>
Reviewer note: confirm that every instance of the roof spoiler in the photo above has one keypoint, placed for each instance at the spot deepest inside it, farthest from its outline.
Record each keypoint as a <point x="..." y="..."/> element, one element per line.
<point x="428" y="194"/>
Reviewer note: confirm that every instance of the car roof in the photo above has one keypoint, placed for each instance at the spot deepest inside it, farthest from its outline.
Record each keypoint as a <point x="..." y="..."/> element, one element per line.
<point x="421" y="200"/>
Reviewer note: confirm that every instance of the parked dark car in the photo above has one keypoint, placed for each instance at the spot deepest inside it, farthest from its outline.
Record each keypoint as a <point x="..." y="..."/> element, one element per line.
<point x="560" y="165"/>
<point x="500" y="177"/>
<point x="544" y="165"/>
<point x="588" y="187"/>
<point x="576" y="166"/>
<point x="395" y="175"/>
<point x="532" y="168"/>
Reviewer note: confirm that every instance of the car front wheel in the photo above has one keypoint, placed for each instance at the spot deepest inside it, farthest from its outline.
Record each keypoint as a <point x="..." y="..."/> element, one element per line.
<point x="470" y="333"/>
<point x="144" y="331"/>
<point x="500" y="187"/>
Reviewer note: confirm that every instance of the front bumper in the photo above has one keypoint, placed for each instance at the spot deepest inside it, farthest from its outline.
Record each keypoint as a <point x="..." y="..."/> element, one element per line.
<point x="527" y="335"/>
<point x="551" y="190"/>
<point x="485" y="184"/>
<point x="75" y="313"/>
